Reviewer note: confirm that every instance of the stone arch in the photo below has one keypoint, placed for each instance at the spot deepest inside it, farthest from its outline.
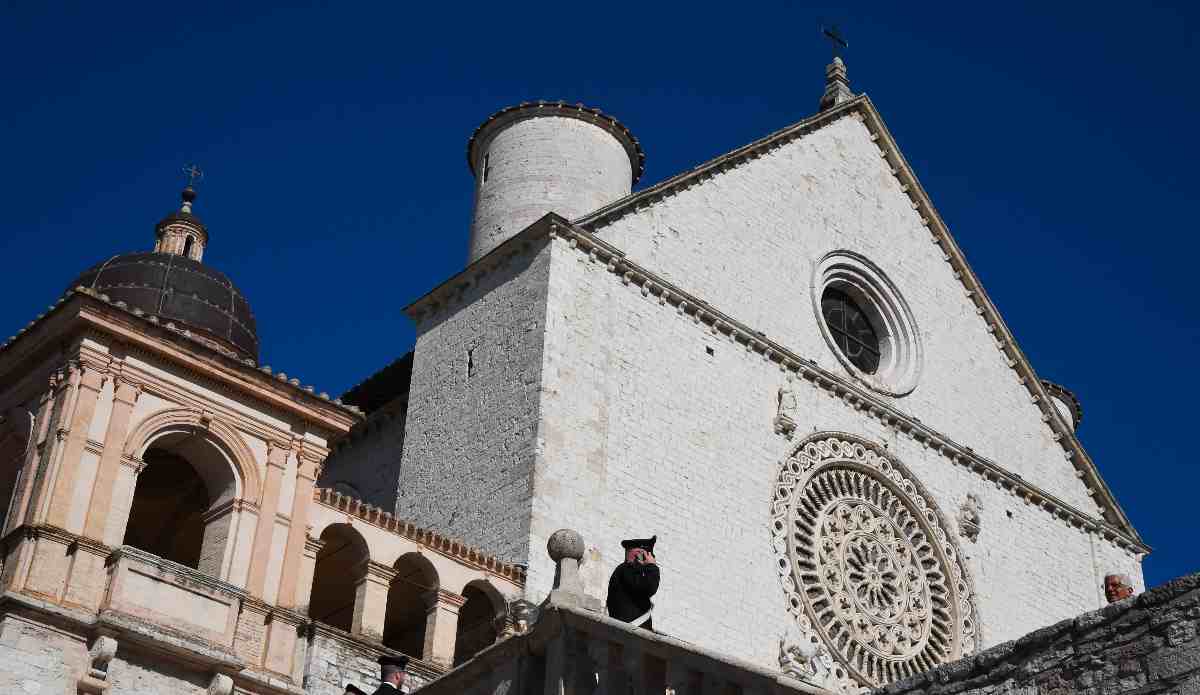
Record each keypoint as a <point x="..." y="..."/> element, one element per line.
<point x="412" y="594"/>
<point x="16" y="432"/>
<point x="192" y="421"/>
<point x="480" y="619"/>
<point x="341" y="564"/>
<point x="190" y="493"/>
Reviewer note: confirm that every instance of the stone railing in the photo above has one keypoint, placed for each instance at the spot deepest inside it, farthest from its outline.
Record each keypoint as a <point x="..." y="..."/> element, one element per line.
<point x="574" y="649"/>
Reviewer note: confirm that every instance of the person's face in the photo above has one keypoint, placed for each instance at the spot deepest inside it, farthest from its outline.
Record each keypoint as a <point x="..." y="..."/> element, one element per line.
<point x="635" y="555"/>
<point x="1115" y="589"/>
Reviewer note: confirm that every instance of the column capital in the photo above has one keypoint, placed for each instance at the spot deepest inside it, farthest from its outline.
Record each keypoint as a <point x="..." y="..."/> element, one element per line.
<point x="277" y="452"/>
<point x="440" y="598"/>
<point x="377" y="572"/>
<point x="125" y="389"/>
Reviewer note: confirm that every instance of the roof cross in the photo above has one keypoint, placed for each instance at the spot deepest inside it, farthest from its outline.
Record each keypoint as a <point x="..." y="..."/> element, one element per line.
<point x="194" y="174"/>
<point x="835" y="39"/>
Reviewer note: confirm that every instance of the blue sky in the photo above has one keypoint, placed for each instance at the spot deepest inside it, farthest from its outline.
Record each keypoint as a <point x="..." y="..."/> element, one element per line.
<point x="1056" y="139"/>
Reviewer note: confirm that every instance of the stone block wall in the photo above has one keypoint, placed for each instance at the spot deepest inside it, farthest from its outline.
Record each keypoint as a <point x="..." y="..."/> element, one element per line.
<point x="472" y="424"/>
<point x="652" y="423"/>
<point x="335" y="660"/>
<point x="748" y="240"/>
<point x="1140" y="646"/>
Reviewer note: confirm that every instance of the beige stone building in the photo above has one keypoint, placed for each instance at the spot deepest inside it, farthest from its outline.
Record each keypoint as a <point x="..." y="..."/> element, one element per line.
<point x="779" y="362"/>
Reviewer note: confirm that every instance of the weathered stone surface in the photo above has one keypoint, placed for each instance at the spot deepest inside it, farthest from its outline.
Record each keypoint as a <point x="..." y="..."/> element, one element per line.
<point x="1134" y="647"/>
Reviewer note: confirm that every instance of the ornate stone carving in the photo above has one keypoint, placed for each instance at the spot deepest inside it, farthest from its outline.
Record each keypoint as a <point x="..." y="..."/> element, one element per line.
<point x="804" y="659"/>
<point x="787" y="408"/>
<point x="865" y="563"/>
<point x="968" y="518"/>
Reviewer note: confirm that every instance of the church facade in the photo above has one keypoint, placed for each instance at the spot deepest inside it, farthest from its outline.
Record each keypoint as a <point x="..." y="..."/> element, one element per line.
<point x="780" y="362"/>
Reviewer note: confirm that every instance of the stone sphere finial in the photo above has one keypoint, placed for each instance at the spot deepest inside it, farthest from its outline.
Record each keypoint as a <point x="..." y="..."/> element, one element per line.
<point x="565" y="543"/>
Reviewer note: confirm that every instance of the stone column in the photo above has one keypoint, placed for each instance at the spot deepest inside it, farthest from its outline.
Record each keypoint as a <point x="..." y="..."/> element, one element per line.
<point x="370" y="600"/>
<point x="88" y="381"/>
<point x="125" y="395"/>
<point x="293" y="590"/>
<point x="277" y="456"/>
<point x="441" y="626"/>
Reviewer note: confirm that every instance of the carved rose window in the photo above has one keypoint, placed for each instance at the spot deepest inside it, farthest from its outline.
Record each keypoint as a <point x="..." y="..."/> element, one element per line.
<point x="866" y="566"/>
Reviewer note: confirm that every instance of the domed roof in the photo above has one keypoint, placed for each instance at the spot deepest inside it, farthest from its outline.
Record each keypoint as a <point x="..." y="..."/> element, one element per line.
<point x="177" y="288"/>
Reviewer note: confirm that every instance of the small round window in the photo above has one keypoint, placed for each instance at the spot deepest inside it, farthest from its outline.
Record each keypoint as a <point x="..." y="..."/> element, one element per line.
<point x="866" y="322"/>
<point x="851" y="329"/>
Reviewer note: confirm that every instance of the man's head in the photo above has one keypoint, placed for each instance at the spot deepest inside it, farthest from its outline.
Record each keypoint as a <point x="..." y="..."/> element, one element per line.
<point x="638" y="549"/>
<point x="352" y="689"/>
<point x="1117" y="587"/>
<point x="391" y="669"/>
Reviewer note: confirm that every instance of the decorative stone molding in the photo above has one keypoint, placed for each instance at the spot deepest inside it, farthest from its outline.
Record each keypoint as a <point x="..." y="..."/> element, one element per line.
<point x="1118" y="527"/>
<point x="901" y="355"/>
<point x="219" y="685"/>
<point x="468" y="554"/>
<point x="151" y="325"/>
<point x="222" y="434"/>
<point x="1112" y="528"/>
<point x="865" y="563"/>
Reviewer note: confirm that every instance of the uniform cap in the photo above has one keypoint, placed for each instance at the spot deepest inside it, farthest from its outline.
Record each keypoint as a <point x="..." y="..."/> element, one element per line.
<point x="643" y="543"/>
<point x="398" y="662"/>
<point x="352" y="689"/>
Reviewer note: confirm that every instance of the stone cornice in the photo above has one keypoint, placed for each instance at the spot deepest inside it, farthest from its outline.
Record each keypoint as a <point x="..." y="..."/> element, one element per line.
<point x="451" y="547"/>
<point x="656" y="288"/>
<point x="144" y="331"/>
<point x="862" y="109"/>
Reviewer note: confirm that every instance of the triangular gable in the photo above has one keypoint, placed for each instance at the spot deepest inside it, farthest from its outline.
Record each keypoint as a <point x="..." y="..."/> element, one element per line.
<point x="862" y="109"/>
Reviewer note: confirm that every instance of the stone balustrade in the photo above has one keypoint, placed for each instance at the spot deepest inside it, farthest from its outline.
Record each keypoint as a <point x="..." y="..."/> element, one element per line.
<point x="574" y="649"/>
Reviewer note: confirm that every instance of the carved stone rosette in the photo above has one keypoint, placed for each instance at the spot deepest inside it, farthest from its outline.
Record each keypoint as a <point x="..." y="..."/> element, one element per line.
<point x="865" y="563"/>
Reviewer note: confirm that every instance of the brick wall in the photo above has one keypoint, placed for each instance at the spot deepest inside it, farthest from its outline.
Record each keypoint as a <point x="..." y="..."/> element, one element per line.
<point x="1142" y="645"/>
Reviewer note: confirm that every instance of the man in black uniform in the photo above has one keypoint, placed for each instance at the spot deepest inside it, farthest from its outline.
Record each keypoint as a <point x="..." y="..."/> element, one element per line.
<point x="633" y="582"/>
<point x="391" y="674"/>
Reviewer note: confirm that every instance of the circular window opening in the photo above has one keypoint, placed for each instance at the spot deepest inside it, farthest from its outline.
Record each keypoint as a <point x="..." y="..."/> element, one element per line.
<point x="867" y="324"/>
<point x="852" y="331"/>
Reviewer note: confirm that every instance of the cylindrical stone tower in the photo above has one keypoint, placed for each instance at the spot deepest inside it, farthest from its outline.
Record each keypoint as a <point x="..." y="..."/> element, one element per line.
<point x="543" y="157"/>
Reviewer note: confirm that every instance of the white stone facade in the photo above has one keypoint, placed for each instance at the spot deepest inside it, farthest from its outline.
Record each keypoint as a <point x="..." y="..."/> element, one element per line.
<point x="659" y="365"/>
<point x="656" y="415"/>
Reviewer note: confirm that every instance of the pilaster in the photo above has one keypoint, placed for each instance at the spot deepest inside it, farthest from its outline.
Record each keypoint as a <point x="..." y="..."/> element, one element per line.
<point x="101" y="507"/>
<point x="296" y="581"/>
<point x="441" y="626"/>
<point x="87" y="381"/>
<point x="277" y="456"/>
